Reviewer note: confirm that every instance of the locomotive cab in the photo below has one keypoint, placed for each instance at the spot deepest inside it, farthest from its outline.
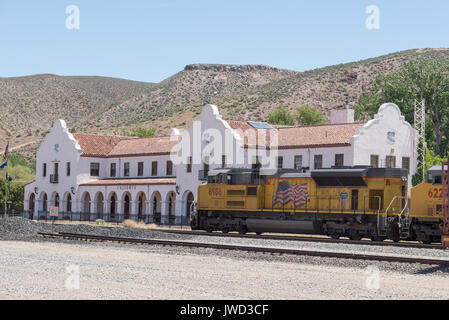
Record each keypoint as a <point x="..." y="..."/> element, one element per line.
<point x="427" y="197"/>
<point x="426" y="207"/>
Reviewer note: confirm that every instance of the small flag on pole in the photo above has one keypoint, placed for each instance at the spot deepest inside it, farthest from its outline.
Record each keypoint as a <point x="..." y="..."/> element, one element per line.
<point x="5" y="157"/>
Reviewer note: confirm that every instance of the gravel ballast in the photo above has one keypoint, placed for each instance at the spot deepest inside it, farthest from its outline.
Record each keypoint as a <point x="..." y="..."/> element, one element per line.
<point x="24" y="229"/>
<point x="40" y="270"/>
<point x="35" y="268"/>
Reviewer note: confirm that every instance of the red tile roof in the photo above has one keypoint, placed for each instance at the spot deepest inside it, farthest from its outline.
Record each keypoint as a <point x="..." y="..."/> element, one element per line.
<point x="96" y="146"/>
<point x="118" y="182"/>
<point x="145" y="146"/>
<point x="112" y="146"/>
<point x="305" y="137"/>
<point x="317" y="136"/>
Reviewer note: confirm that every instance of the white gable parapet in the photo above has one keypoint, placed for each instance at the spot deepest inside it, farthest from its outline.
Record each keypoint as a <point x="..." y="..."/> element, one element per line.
<point x="57" y="164"/>
<point x="387" y="135"/>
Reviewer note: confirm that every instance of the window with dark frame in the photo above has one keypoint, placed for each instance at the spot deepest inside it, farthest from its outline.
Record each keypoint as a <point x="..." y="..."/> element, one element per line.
<point x="154" y="168"/>
<point x="56" y="170"/>
<point x="169" y="168"/>
<point x="406" y="163"/>
<point x="223" y="162"/>
<point x="206" y="166"/>
<point x="298" y="162"/>
<point x="94" y="169"/>
<point x="68" y="169"/>
<point x="390" y="162"/>
<point x="189" y="164"/>
<point x="126" y="169"/>
<point x="113" y="170"/>
<point x="318" y="161"/>
<point x="374" y="161"/>
<point x="339" y="160"/>
<point x="280" y="162"/>
<point x="44" y="169"/>
<point x="140" y="169"/>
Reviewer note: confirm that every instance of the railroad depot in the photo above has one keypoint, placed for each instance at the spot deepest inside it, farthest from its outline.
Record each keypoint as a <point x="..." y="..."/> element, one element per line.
<point x="156" y="179"/>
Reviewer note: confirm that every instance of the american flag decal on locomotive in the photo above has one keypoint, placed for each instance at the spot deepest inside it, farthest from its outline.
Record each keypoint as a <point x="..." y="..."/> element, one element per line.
<point x="286" y="193"/>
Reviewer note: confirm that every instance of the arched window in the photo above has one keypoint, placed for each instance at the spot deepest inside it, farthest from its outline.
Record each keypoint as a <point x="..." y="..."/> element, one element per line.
<point x="69" y="203"/>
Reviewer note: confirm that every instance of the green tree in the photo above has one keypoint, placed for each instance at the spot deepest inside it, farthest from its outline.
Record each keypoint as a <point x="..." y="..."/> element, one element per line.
<point x="431" y="160"/>
<point x="141" y="133"/>
<point x="21" y="172"/>
<point x="309" y="116"/>
<point x="281" y="116"/>
<point x="15" y="195"/>
<point x="419" y="79"/>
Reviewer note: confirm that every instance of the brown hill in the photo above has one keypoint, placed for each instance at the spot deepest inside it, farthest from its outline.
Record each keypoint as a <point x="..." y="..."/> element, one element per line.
<point x="179" y="99"/>
<point x="29" y="105"/>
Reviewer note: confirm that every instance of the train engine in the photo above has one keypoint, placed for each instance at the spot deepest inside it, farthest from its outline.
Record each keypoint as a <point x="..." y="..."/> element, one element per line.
<point x="354" y="202"/>
<point x="426" y="207"/>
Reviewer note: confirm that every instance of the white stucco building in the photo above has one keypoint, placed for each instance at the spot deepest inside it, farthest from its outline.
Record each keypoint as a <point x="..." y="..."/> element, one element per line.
<point x="156" y="179"/>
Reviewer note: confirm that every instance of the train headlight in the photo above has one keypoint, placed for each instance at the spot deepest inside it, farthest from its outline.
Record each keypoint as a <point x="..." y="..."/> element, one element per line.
<point x="404" y="179"/>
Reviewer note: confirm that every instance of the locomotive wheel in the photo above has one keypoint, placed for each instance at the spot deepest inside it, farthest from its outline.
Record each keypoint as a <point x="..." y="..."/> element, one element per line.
<point x="377" y="238"/>
<point x="356" y="237"/>
<point x="243" y="230"/>
<point x="258" y="233"/>
<point x="335" y="236"/>
<point x="209" y="229"/>
<point x="427" y="240"/>
<point x="225" y="230"/>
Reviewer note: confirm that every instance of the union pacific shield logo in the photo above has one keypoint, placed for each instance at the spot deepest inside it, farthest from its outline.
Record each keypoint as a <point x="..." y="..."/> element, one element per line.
<point x="391" y="136"/>
<point x="286" y="193"/>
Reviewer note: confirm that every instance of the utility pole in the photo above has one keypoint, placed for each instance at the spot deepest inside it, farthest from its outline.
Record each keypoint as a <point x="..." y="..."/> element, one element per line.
<point x="6" y="192"/>
<point x="5" y="164"/>
<point x="445" y="224"/>
<point x="420" y="126"/>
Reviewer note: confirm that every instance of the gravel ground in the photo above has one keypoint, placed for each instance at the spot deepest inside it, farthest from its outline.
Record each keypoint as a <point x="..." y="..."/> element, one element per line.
<point x="34" y="268"/>
<point x="37" y="270"/>
<point x="24" y="229"/>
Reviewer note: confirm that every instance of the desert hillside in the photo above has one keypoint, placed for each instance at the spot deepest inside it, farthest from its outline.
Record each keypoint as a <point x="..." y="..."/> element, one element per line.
<point x="29" y="105"/>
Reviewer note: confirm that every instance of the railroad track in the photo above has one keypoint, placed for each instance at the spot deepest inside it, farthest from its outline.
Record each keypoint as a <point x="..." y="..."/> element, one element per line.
<point x="340" y="255"/>
<point x="308" y="239"/>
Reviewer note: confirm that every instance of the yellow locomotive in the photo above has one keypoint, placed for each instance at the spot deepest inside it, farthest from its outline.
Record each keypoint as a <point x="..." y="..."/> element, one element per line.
<point x="426" y="208"/>
<point x="353" y="202"/>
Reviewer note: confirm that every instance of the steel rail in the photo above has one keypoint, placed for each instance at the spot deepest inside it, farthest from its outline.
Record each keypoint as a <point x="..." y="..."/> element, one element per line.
<point x="306" y="239"/>
<point x="323" y="254"/>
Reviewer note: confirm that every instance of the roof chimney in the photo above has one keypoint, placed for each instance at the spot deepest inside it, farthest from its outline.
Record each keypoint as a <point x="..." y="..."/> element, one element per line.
<point x="346" y="115"/>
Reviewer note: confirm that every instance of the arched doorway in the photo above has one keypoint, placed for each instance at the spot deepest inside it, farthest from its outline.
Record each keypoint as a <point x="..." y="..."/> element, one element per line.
<point x="99" y="205"/>
<point x="112" y="206"/>
<point x="126" y="206"/>
<point x="86" y="206"/>
<point x="156" y="200"/>
<point x="44" y="203"/>
<point x="31" y="205"/>
<point x="171" y="200"/>
<point x="56" y="201"/>
<point x="141" y="210"/>
<point x="68" y="203"/>
<point x="188" y="209"/>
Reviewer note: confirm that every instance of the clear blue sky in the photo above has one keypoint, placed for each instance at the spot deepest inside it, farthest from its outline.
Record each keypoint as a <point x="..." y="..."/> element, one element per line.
<point x="153" y="39"/>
